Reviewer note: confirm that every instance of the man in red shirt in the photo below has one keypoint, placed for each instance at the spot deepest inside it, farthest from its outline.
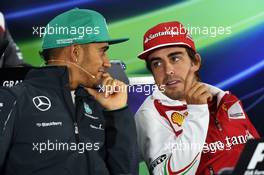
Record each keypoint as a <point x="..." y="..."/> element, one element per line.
<point x="209" y="122"/>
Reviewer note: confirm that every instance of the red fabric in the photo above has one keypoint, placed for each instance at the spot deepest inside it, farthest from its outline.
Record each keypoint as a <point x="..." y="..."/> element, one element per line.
<point x="228" y="131"/>
<point x="168" y="33"/>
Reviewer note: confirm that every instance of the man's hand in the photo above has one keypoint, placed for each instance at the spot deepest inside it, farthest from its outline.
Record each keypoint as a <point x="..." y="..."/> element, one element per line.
<point x="114" y="95"/>
<point x="196" y="92"/>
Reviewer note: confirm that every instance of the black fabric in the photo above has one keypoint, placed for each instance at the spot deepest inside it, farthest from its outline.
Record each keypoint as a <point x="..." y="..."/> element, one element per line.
<point x="110" y="135"/>
<point x="10" y="55"/>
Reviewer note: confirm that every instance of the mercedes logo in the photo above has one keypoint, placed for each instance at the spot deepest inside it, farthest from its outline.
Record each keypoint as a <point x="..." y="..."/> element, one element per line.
<point x="42" y="103"/>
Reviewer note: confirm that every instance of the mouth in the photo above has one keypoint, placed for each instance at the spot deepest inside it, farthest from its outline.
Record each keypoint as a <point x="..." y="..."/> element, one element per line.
<point x="172" y="83"/>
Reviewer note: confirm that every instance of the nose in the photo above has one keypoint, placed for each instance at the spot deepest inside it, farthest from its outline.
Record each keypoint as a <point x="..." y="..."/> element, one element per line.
<point x="106" y="63"/>
<point x="169" y="69"/>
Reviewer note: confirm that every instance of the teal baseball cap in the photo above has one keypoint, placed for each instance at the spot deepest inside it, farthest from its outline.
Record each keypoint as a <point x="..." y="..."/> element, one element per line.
<point x="77" y="26"/>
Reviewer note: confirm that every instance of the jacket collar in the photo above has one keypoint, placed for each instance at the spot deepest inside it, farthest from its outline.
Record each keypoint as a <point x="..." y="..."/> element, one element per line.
<point x="165" y="100"/>
<point x="49" y="76"/>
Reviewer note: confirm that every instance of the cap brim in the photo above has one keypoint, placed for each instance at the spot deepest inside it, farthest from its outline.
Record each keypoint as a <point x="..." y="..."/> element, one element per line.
<point x="116" y="41"/>
<point x="143" y="55"/>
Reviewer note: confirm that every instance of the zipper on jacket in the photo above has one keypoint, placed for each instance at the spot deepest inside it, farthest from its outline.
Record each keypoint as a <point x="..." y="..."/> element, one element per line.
<point x="78" y="104"/>
<point x="69" y="102"/>
<point x="211" y="170"/>
<point x="218" y="125"/>
<point x="76" y="131"/>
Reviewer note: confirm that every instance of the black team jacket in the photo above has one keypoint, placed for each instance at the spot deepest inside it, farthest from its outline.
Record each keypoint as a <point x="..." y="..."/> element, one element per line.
<point x="44" y="132"/>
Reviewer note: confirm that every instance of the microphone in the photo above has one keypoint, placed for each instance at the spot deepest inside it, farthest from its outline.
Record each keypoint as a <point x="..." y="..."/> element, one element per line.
<point x="76" y="65"/>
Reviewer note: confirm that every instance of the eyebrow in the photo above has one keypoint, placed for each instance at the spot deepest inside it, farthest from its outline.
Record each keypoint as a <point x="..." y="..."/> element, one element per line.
<point x="169" y="55"/>
<point x="175" y="53"/>
<point x="154" y="59"/>
<point x="105" y="48"/>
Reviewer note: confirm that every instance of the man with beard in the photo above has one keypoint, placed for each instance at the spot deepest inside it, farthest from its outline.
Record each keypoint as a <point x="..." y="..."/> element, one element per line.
<point x="186" y="126"/>
<point x="46" y="129"/>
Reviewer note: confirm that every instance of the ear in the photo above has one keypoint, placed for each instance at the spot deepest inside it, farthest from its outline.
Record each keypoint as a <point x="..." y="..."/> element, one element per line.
<point x="196" y="65"/>
<point x="75" y="52"/>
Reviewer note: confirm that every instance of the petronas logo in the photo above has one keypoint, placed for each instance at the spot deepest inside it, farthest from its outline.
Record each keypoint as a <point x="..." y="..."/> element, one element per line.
<point x="87" y="108"/>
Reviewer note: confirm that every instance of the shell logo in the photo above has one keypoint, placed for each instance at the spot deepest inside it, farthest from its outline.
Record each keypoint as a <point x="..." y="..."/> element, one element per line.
<point x="177" y="118"/>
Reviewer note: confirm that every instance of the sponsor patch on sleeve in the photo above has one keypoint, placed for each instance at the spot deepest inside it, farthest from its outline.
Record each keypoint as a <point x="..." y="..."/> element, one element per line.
<point x="236" y="111"/>
<point x="157" y="161"/>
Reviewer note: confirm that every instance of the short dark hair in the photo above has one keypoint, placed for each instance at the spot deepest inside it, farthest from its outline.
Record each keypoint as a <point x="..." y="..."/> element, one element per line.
<point x="191" y="53"/>
<point x="48" y="54"/>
